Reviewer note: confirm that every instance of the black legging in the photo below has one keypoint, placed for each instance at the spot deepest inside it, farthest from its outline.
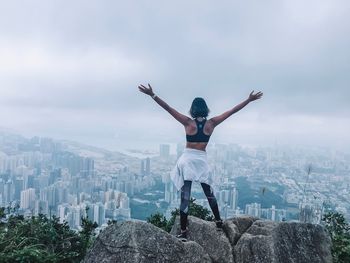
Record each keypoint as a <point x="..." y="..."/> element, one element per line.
<point x="185" y="201"/>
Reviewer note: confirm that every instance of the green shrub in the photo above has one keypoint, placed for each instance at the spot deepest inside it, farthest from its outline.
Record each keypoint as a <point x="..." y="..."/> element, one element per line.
<point x="339" y="231"/>
<point x="40" y="239"/>
<point x="159" y="220"/>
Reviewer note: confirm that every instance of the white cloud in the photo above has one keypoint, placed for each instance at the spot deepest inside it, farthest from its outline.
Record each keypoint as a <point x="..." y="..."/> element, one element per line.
<point x="23" y="58"/>
<point x="70" y="68"/>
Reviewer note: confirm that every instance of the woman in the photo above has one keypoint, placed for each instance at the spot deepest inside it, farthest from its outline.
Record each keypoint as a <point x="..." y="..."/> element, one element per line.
<point x="192" y="164"/>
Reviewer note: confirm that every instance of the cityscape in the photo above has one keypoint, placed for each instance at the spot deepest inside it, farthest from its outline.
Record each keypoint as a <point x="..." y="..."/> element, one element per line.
<point x="71" y="180"/>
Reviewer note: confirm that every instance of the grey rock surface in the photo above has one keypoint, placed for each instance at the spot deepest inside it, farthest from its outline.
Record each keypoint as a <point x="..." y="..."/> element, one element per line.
<point x="142" y="242"/>
<point x="244" y="239"/>
<point x="235" y="227"/>
<point x="242" y="222"/>
<point x="287" y="242"/>
<point x="206" y="234"/>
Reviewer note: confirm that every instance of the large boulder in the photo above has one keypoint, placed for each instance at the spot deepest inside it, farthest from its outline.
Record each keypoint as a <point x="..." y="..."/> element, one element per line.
<point x="244" y="239"/>
<point x="135" y="241"/>
<point x="287" y="242"/>
<point x="206" y="234"/>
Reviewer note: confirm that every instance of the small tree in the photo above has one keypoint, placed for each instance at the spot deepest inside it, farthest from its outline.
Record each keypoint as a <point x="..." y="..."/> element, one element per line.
<point x="159" y="220"/>
<point x="87" y="232"/>
<point x="339" y="231"/>
<point x="196" y="210"/>
<point x="42" y="239"/>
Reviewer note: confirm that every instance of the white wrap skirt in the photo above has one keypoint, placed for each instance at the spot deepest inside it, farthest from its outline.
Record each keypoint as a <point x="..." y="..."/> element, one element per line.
<point x="192" y="165"/>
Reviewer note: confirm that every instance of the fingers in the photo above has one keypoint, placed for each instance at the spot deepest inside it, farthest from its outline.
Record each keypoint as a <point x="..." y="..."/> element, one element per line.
<point x="259" y="95"/>
<point x="145" y="88"/>
<point x="142" y="88"/>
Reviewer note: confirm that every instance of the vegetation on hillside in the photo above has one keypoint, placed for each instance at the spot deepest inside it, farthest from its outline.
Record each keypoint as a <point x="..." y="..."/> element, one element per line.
<point x="42" y="239"/>
<point x="159" y="220"/>
<point x="339" y="231"/>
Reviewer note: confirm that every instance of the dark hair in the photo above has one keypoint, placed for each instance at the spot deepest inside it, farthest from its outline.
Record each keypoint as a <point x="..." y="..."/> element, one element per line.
<point x="199" y="108"/>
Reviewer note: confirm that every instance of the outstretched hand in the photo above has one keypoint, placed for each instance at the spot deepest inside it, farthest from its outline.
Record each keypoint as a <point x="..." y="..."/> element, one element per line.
<point x="255" y="96"/>
<point x="146" y="90"/>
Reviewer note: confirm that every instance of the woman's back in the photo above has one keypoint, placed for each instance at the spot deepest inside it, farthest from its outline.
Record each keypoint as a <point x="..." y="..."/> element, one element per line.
<point x="198" y="132"/>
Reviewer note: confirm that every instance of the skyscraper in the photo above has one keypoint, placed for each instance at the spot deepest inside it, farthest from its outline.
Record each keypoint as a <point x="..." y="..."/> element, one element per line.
<point x="253" y="209"/>
<point x="28" y="198"/>
<point x="148" y="166"/>
<point x="142" y="170"/>
<point x="234" y="198"/>
<point x="164" y="150"/>
<point x="179" y="149"/>
<point x="145" y="166"/>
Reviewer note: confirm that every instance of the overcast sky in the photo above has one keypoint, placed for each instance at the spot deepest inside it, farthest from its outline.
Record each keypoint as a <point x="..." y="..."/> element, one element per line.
<point x="70" y="69"/>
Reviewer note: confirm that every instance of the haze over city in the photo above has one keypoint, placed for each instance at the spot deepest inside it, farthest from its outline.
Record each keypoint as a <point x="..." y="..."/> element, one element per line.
<point x="70" y="70"/>
<point x="94" y="168"/>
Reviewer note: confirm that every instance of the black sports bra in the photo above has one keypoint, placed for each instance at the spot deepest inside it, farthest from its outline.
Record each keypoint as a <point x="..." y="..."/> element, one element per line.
<point x="199" y="136"/>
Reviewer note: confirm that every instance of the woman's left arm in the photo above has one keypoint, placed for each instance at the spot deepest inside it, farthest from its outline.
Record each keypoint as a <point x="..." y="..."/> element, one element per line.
<point x="183" y="119"/>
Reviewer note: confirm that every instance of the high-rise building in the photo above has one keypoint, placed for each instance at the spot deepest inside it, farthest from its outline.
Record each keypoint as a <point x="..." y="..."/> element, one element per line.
<point x="46" y="145"/>
<point x="129" y="188"/>
<point x="99" y="213"/>
<point x="9" y="192"/>
<point x="145" y="166"/>
<point x="27" y="198"/>
<point x="164" y="150"/>
<point x="49" y="194"/>
<point x="272" y="213"/>
<point x="41" y="207"/>
<point x="142" y="170"/>
<point x="76" y="217"/>
<point x="148" y="166"/>
<point x="54" y="175"/>
<point x="234" y="198"/>
<point x="62" y="211"/>
<point x="87" y="166"/>
<point x="170" y="193"/>
<point x="310" y="213"/>
<point x="179" y="149"/>
<point x="18" y="184"/>
<point x="253" y="209"/>
<point x="28" y="181"/>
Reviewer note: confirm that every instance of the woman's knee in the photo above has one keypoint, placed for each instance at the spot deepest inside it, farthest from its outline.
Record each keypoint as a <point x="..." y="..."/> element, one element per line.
<point x="184" y="205"/>
<point x="208" y="190"/>
<point x="185" y="199"/>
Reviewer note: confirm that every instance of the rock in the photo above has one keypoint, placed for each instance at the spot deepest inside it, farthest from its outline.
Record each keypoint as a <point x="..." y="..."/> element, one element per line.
<point x="231" y="231"/>
<point x="244" y="239"/>
<point x="135" y="241"/>
<point x="243" y="222"/>
<point x="206" y="234"/>
<point x="254" y="249"/>
<point x="235" y="227"/>
<point x="285" y="242"/>
<point x="302" y="242"/>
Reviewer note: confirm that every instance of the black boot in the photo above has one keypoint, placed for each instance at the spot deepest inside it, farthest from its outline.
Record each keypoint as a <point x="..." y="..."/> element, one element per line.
<point x="218" y="224"/>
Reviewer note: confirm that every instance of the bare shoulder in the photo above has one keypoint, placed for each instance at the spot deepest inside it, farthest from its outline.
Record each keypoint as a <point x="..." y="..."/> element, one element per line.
<point x="209" y="126"/>
<point x="211" y="122"/>
<point x="190" y="122"/>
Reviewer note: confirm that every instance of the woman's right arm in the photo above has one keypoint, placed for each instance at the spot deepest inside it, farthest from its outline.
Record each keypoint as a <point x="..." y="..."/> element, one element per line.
<point x="220" y="118"/>
<point x="183" y="119"/>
